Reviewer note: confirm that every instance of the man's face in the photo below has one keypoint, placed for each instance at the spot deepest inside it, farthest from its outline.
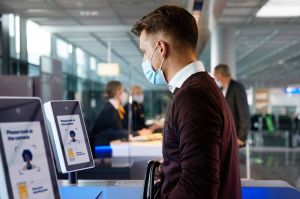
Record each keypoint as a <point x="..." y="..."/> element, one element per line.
<point x="148" y="43"/>
<point x="220" y="78"/>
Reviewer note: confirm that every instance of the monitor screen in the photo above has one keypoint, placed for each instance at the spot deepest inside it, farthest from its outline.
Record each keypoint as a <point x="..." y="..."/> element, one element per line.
<point x="72" y="135"/>
<point x="68" y="135"/>
<point x="25" y="151"/>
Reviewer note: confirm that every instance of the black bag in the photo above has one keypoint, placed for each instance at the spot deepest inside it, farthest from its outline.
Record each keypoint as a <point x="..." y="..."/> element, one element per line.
<point x="151" y="191"/>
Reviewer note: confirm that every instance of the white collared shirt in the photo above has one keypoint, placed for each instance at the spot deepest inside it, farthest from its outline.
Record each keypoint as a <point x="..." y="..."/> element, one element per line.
<point x="181" y="76"/>
<point x="224" y="91"/>
<point x="115" y="103"/>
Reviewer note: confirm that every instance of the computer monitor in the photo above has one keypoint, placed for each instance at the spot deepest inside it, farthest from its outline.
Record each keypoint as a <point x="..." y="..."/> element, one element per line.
<point x="68" y="136"/>
<point x="26" y="163"/>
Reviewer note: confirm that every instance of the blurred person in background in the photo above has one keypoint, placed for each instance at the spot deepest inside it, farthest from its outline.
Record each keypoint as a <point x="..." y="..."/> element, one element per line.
<point x="236" y="97"/>
<point x="108" y="125"/>
<point x="138" y="113"/>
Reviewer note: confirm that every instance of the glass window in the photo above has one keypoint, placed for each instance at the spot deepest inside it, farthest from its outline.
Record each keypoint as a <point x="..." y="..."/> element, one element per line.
<point x="35" y="37"/>
<point x="62" y="49"/>
<point x="18" y="39"/>
<point x="14" y="34"/>
<point x="81" y="63"/>
<point x="70" y="48"/>
<point x="80" y="57"/>
<point x="11" y="21"/>
<point x="93" y="64"/>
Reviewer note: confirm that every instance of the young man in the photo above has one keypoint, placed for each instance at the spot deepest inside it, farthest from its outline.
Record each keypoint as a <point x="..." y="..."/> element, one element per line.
<point x="236" y="98"/>
<point x="200" y="157"/>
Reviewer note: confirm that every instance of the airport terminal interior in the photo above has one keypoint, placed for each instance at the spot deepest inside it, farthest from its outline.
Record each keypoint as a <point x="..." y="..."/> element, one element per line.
<point x="79" y="50"/>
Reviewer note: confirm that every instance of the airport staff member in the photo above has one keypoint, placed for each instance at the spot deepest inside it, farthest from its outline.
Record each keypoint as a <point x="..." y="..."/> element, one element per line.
<point x="138" y="114"/>
<point x="108" y="125"/>
<point x="236" y="98"/>
<point x="200" y="158"/>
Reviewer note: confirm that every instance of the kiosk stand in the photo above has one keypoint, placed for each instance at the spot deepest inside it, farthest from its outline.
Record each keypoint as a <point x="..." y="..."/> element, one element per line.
<point x="72" y="177"/>
<point x="69" y="137"/>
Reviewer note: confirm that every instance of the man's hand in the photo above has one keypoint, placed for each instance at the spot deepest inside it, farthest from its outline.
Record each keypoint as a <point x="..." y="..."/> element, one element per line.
<point x="240" y="143"/>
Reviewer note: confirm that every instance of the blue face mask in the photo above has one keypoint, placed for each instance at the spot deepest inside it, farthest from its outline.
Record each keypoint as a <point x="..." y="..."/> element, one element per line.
<point x="155" y="77"/>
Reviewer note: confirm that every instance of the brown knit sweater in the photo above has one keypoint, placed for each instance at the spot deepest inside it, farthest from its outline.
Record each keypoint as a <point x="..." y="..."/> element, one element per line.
<point x="199" y="146"/>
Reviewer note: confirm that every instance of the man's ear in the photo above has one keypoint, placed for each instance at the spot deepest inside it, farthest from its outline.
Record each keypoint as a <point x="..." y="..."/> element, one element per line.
<point x="163" y="48"/>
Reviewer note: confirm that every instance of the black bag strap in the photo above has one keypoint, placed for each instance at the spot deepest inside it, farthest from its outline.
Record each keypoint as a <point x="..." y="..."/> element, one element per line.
<point x="148" y="192"/>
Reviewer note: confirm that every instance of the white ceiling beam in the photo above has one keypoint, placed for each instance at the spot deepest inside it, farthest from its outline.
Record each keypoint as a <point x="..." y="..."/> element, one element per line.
<point x="82" y="28"/>
<point x="269" y="27"/>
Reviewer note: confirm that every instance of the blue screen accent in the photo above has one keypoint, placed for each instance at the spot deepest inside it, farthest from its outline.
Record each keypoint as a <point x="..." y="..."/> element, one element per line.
<point x="292" y="90"/>
<point x="103" y="151"/>
<point x="269" y="193"/>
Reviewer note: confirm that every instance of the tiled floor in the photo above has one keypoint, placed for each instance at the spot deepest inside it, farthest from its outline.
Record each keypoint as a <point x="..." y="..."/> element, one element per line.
<point x="276" y="163"/>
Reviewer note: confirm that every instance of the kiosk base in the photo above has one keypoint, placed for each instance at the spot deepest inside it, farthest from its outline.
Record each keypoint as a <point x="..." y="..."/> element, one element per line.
<point x="72" y="177"/>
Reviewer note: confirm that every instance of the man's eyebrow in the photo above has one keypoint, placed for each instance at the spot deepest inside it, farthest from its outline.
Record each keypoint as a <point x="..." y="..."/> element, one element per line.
<point x="142" y="50"/>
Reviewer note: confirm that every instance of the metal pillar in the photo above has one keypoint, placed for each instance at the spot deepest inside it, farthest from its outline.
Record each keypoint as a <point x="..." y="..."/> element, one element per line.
<point x="223" y="46"/>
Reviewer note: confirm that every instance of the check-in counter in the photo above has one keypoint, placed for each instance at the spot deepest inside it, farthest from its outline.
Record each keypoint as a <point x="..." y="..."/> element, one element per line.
<point x="102" y="189"/>
<point x="136" y="148"/>
<point x="131" y="189"/>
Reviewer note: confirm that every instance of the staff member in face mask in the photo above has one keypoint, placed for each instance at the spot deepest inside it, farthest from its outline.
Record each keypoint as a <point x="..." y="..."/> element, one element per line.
<point x="200" y="158"/>
<point x="137" y="107"/>
<point x="138" y="113"/>
<point x="109" y="125"/>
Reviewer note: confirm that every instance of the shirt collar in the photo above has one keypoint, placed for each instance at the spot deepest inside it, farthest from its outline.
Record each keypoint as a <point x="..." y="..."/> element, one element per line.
<point x="115" y="103"/>
<point x="181" y="76"/>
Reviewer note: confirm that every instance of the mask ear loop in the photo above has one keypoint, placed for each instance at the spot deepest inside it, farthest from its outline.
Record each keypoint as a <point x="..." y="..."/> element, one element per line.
<point x="162" y="64"/>
<point x="160" y="68"/>
<point x="152" y="53"/>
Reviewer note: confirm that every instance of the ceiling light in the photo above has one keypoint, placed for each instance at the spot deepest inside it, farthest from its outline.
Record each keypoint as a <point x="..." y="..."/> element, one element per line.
<point x="88" y="13"/>
<point x="34" y="0"/>
<point x="280" y="62"/>
<point x="280" y="8"/>
<point x="37" y="10"/>
<point x="108" y="69"/>
<point x="40" y="19"/>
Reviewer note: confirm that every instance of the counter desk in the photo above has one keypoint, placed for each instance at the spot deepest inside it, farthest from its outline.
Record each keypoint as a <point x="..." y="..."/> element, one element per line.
<point x="132" y="189"/>
<point x="136" y="148"/>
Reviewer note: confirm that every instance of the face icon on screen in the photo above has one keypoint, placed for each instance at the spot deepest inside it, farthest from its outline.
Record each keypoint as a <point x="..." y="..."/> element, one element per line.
<point x="27" y="157"/>
<point x="72" y="135"/>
